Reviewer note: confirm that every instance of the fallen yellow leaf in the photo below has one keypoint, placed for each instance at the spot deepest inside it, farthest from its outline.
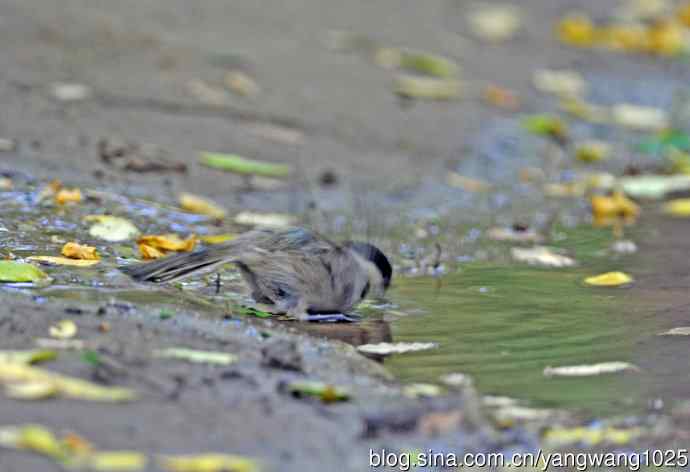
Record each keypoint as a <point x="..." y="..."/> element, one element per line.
<point x="33" y="438"/>
<point x="49" y="190"/>
<point x="208" y="463"/>
<point x="169" y="242"/>
<point x="200" y="205"/>
<point x="217" y="238"/>
<point x="64" y="329"/>
<point x="65" y="195"/>
<point x="590" y="436"/>
<point x="628" y="37"/>
<point x="27" y="357"/>
<point x="155" y="246"/>
<point x="576" y="29"/>
<point x="80" y="251"/>
<point x="11" y="372"/>
<point x="111" y="461"/>
<point x="610" y="210"/>
<point x="31" y="390"/>
<point x="609" y="279"/>
<point x="666" y="38"/>
<point x="57" y="260"/>
<point x="679" y="207"/>
<point x="420" y="390"/>
<point x="71" y="451"/>
<point x="41" y="440"/>
<point x="585" y="111"/>
<point x="192" y="355"/>
<point x="149" y="252"/>
<point x="683" y="14"/>
<point x="593" y="151"/>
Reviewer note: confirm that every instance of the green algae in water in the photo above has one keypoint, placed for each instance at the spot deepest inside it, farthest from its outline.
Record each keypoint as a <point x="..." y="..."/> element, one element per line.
<point x="503" y="324"/>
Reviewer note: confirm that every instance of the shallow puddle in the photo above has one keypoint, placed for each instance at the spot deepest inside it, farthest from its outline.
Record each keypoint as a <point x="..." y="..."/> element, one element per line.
<point x="503" y="324"/>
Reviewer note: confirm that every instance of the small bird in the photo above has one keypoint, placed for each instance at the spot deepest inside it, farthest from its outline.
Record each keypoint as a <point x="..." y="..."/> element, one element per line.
<point x="298" y="271"/>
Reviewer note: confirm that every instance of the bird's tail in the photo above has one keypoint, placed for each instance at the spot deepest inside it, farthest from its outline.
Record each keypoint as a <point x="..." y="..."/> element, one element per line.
<point x="179" y="266"/>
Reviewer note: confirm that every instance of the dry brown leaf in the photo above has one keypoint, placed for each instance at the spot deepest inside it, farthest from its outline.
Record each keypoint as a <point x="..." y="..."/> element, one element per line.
<point x="501" y="98"/>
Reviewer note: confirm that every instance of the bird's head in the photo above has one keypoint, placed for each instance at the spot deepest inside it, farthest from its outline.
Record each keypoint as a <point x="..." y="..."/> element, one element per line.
<point x="377" y="259"/>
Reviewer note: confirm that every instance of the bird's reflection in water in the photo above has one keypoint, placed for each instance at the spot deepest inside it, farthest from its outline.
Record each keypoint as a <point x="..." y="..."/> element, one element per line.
<point x="356" y="334"/>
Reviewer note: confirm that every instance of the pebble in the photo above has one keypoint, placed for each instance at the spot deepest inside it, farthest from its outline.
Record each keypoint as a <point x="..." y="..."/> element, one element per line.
<point x="70" y="91"/>
<point x="624" y="247"/>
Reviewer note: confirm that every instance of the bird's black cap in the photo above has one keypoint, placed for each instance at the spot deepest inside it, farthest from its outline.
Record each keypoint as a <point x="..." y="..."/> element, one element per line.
<point x="376" y="257"/>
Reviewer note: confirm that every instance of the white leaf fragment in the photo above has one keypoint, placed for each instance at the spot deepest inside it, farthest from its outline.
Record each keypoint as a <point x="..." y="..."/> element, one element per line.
<point x="679" y="331"/>
<point x="590" y="369"/>
<point x="541" y="255"/>
<point x="395" y="348"/>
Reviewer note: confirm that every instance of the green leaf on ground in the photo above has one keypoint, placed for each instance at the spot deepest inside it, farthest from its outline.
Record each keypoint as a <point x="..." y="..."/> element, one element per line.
<point x="243" y="166"/>
<point x="327" y="393"/>
<point x="11" y="271"/>
<point x="192" y="355"/>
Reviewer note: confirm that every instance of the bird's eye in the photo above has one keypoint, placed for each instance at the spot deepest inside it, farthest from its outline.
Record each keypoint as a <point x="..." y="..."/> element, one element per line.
<point x="365" y="291"/>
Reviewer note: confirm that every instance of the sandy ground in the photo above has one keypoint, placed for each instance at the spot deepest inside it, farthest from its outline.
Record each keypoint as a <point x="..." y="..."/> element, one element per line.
<point x="140" y="58"/>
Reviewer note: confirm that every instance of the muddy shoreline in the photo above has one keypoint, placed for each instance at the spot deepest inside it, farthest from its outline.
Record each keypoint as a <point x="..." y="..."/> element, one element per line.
<point x="241" y="408"/>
